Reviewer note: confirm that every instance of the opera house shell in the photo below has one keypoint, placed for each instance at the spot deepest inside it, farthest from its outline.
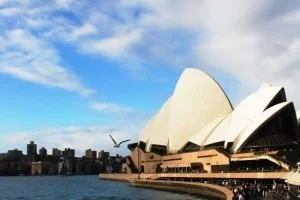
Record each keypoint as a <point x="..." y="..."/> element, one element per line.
<point x="199" y="115"/>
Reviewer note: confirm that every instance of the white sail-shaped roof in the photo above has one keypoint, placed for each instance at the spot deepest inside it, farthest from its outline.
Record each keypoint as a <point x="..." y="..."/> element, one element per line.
<point x="146" y="133"/>
<point x="257" y="123"/>
<point x="295" y="180"/>
<point x="298" y="115"/>
<point x="199" y="137"/>
<point x="197" y="105"/>
<point x="250" y="109"/>
<point x="160" y="130"/>
<point x="291" y="177"/>
<point x="199" y="112"/>
<point x="196" y="102"/>
<point x="219" y="134"/>
<point x="264" y="85"/>
<point x="287" y="175"/>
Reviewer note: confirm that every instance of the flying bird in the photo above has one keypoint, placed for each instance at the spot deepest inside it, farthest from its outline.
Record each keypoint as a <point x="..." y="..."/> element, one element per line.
<point x="117" y="145"/>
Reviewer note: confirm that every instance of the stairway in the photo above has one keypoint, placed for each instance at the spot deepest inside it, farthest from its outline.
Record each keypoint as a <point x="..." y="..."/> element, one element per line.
<point x="131" y="165"/>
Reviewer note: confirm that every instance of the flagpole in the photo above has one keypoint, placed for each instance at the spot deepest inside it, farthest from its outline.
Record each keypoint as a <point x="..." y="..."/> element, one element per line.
<point x="138" y="160"/>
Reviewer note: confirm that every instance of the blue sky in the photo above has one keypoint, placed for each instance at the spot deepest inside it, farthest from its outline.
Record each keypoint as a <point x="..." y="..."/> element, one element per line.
<point x="72" y="71"/>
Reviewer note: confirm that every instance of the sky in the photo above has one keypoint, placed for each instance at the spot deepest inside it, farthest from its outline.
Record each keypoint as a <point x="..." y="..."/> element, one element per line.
<point x="71" y="72"/>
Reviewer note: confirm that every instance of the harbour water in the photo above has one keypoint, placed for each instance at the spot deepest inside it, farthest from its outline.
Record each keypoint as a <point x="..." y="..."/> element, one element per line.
<point x="78" y="188"/>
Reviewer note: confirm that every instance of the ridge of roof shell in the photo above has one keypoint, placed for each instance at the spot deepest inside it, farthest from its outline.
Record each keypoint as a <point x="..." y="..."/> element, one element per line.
<point x="249" y="109"/>
<point x="264" y="85"/>
<point x="298" y="115"/>
<point x="219" y="133"/>
<point x="202" y="135"/>
<point x="197" y="101"/>
<point x="146" y="132"/>
<point x="295" y="179"/>
<point x="292" y="176"/>
<point x="257" y="123"/>
<point x="160" y="128"/>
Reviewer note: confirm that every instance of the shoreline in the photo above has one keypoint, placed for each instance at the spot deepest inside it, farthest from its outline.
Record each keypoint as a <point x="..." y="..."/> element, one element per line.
<point x="47" y="175"/>
<point x="192" y="188"/>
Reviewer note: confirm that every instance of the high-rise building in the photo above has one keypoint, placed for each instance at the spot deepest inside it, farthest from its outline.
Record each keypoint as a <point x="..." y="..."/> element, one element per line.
<point x="31" y="149"/>
<point x="70" y="153"/>
<point x="79" y="166"/>
<point x="43" y="152"/>
<point x="15" y="154"/>
<point x="91" y="154"/>
<point x="102" y="155"/>
<point x="56" y="152"/>
<point x="94" y="155"/>
<point x="3" y="156"/>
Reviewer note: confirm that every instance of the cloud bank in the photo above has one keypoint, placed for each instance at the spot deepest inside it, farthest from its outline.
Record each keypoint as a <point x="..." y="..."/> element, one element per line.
<point x="252" y="41"/>
<point x="78" y="138"/>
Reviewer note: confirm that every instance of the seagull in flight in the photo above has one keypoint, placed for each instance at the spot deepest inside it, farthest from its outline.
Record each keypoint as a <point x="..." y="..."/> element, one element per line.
<point x="117" y="145"/>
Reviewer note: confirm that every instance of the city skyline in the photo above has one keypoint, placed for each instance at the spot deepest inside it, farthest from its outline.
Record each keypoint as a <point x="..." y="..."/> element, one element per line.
<point x="70" y="78"/>
<point x="37" y="161"/>
<point x="49" y="150"/>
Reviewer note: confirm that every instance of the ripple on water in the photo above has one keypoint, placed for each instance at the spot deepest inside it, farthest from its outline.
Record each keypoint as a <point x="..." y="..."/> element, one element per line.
<point x="78" y="188"/>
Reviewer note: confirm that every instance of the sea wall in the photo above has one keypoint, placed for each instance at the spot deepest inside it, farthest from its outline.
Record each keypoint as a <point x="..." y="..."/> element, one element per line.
<point x="246" y="175"/>
<point x="203" y="189"/>
<point x="249" y="175"/>
<point x="206" y="190"/>
<point x="124" y="177"/>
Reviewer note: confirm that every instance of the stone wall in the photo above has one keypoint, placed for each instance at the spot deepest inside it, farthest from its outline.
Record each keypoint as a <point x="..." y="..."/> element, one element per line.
<point x="202" y="189"/>
<point x="207" y="190"/>
<point x="125" y="177"/>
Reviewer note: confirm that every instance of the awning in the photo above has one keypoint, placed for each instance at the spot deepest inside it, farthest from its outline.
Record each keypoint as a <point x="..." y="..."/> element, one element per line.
<point x="287" y="175"/>
<point x="295" y="180"/>
<point x="175" y="165"/>
<point x="292" y="177"/>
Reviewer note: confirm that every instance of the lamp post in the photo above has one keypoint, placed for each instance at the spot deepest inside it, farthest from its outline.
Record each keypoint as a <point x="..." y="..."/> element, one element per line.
<point x="138" y="160"/>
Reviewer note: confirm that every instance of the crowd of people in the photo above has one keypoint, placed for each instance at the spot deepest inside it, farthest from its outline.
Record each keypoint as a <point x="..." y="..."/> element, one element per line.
<point x="257" y="191"/>
<point x="256" y="166"/>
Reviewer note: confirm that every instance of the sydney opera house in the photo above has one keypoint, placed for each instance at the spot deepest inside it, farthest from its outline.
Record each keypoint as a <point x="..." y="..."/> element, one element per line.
<point x="198" y="130"/>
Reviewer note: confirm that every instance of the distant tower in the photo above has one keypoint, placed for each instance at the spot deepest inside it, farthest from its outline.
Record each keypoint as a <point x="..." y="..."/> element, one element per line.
<point x="56" y="152"/>
<point x="70" y="153"/>
<point x="31" y="149"/>
<point x="43" y="152"/>
<point x="87" y="153"/>
<point x="102" y="155"/>
<point x="94" y="155"/>
<point x="15" y="155"/>
<point x="91" y="154"/>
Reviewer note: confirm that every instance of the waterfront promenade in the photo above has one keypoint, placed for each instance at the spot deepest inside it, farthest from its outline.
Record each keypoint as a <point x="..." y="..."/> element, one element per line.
<point x="213" y="185"/>
<point x="250" y="175"/>
<point x="148" y="181"/>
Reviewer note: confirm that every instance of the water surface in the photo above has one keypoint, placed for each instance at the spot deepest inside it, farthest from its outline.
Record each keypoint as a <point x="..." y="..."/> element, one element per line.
<point x="78" y="188"/>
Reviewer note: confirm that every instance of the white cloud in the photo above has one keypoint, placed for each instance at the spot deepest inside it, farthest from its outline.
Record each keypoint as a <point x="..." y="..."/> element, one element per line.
<point x="254" y="41"/>
<point x="29" y="58"/>
<point x="7" y="12"/>
<point x="251" y="45"/>
<point x="16" y="8"/>
<point x="84" y="30"/>
<point x="65" y="4"/>
<point x="110" y="108"/>
<point x="3" y="2"/>
<point x="37" y="23"/>
<point x="239" y="38"/>
<point x="116" y="46"/>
